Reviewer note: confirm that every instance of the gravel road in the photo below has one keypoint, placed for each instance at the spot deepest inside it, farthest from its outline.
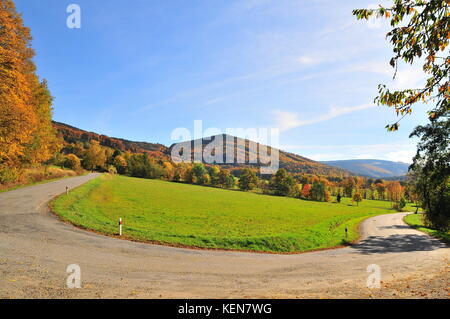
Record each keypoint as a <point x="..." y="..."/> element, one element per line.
<point x="36" y="248"/>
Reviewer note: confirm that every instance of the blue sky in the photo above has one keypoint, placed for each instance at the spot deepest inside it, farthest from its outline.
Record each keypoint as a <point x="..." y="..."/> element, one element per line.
<point x="139" y="69"/>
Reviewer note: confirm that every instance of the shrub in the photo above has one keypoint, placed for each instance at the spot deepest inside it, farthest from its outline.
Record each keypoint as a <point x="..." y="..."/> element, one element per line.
<point x="112" y="169"/>
<point x="8" y="175"/>
<point x="73" y="162"/>
<point x="402" y="203"/>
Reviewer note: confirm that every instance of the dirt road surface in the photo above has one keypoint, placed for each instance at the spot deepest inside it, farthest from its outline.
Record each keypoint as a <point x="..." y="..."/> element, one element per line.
<point x="36" y="248"/>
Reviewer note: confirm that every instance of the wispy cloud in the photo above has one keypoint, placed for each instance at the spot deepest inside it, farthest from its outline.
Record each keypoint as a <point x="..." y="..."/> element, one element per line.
<point x="289" y="120"/>
<point x="308" y="60"/>
<point x="404" y="156"/>
<point x="406" y="77"/>
<point x="245" y="6"/>
<point x="396" y="152"/>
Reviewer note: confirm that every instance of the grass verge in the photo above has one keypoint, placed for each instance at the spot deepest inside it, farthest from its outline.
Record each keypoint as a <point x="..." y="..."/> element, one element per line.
<point x="39" y="175"/>
<point x="416" y="221"/>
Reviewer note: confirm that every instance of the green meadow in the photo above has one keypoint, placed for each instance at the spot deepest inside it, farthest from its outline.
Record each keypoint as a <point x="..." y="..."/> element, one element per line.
<point x="204" y="217"/>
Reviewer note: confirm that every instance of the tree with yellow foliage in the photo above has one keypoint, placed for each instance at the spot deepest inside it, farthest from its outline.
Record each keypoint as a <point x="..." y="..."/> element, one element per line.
<point x="94" y="157"/>
<point x="17" y="114"/>
<point x="26" y="132"/>
<point x="44" y="143"/>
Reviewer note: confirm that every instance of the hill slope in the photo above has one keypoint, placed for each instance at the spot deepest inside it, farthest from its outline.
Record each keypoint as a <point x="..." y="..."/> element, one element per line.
<point x="242" y="148"/>
<point x="292" y="162"/>
<point x="72" y="134"/>
<point x="372" y="167"/>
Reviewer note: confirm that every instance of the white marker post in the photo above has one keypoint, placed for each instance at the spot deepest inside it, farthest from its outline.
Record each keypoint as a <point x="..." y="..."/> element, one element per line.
<point x="120" y="226"/>
<point x="67" y="190"/>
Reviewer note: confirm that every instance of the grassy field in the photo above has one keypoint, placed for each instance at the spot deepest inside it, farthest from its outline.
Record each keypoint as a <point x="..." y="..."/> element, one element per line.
<point x="416" y="221"/>
<point x="196" y="216"/>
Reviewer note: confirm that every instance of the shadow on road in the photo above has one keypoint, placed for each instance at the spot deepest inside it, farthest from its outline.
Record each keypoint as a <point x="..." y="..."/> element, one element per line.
<point x="398" y="244"/>
<point x="395" y="227"/>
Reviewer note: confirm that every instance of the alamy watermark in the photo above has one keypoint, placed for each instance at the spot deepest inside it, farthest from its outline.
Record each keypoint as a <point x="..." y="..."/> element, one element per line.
<point x="213" y="146"/>
<point x="374" y="279"/>
<point x="74" y="19"/>
<point x="74" y="278"/>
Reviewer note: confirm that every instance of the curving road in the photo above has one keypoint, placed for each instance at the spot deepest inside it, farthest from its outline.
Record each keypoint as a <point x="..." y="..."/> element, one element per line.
<point x="36" y="248"/>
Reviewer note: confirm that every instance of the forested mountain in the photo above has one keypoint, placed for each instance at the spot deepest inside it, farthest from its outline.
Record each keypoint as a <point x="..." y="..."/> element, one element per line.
<point x="293" y="163"/>
<point x="372" y="167"/>
<point x="72" y="135"/>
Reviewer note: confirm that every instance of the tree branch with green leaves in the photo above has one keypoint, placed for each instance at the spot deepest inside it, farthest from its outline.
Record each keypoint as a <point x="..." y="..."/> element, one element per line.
<point x="421" y="33"/>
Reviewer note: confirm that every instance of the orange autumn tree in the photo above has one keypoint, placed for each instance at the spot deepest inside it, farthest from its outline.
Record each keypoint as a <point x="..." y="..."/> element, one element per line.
<point x="306" y="191"/>
<point x="26" y="133"/>
<point x="17" y="116"/>
<point x="395" y="191"/>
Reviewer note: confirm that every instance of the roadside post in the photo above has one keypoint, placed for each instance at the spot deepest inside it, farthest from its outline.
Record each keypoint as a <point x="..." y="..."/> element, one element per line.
<point x="346" y="233"/>
<point x="67" y="190"/>
<point x="120" y="226"/>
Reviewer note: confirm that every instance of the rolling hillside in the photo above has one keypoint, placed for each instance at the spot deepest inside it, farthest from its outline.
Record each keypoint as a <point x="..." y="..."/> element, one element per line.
<point x="292" y="162"/>
<point x="372" y="167"/>
<point x="72" y="134"/>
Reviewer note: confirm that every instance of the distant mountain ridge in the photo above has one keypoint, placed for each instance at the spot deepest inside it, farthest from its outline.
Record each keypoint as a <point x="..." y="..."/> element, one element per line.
<point x="372" y="167"/>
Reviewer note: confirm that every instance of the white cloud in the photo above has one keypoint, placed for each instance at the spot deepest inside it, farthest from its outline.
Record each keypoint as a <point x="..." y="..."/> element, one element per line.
<point x="365" y="156"/>
<point x="372" y="67"/>
<point x="288" y="120"/>
<point x="404" y="156"/>
<point x="326" y="156"/>
<point x="307" y="60"/>
<point x="395" y="152"/>
<point x="407" y="77"/>
<point x="244" y="6"/>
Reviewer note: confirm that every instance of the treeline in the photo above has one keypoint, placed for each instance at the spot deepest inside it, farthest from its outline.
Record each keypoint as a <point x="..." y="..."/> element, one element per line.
<point x="322" y="188"/>
<point x="72" y="135"/>
<point x="27" y="137"/>
<point x="93" y="156"/>
<point x="368" y="188"/>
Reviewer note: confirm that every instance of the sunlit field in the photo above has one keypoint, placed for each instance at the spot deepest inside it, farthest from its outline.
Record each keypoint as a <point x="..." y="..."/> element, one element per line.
<point x="204" y="217"/>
